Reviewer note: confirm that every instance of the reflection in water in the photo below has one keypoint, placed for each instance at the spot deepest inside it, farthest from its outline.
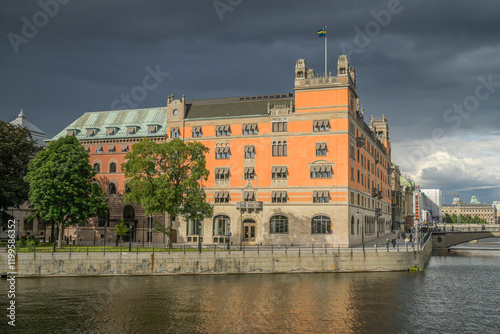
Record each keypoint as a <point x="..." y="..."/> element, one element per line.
<point x="459" y="292"/>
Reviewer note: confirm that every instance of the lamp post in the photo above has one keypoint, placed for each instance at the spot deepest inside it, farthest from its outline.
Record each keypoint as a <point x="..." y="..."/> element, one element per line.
<point x="143" y="228"/>
<point x="228" y="231"/>
<point x="130" y="237"/>
<point x="362" y="229"/>
<point x="199" y="235"/>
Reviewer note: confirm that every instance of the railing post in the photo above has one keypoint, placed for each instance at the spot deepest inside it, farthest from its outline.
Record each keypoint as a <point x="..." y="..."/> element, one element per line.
<point x="137" y="251"/>
<point x="272" y="248"/>
<point x="312" y="248"/>
<point x="376" y="250"/>
<point x="69" y="249"/>
<point x="215" y="247"/>
<point x="185" y="249"/>
<point x="87" y="249"/>
<point x="299" y="249"/>
<point x="285" y="249"/>
<point x="258" y="248"/>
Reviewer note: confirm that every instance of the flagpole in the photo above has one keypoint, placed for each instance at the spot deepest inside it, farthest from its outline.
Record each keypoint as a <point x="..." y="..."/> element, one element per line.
<point x="326" y="39"/>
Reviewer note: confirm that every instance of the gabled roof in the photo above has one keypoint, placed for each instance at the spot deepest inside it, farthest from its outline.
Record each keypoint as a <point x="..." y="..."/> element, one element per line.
<point x="120" y="121"/>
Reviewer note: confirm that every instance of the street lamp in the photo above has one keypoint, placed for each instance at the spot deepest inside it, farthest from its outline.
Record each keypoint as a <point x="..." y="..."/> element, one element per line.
<point x="143" y="228"/>
<point x="199" y="235"/>
<point x="362" y="230"/>
<point x="130" y="236"/>
<point x="228" y="231"/>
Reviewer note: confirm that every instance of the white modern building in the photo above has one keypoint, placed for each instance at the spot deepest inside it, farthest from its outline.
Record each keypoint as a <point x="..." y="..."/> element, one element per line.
<point x="428" y="205"/>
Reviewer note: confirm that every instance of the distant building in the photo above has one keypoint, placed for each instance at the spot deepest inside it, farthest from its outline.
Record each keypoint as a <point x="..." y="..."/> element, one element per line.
<point x="36" y="133"/>
<point x="496" y="204"/>
<point x="474" y="209"/>
<point x="407" y="212"/>
<point x="431" y="200"/>
<point x="23" y="226"/>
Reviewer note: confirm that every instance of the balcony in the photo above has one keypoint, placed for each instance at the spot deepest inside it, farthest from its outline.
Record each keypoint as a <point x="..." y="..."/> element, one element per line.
<point x="374" y="192"/>
<point x="249" y="205"/>
<point x="378" y="212"/>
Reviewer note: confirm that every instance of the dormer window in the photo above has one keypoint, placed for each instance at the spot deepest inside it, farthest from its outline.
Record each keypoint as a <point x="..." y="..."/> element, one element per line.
<point x="90" y="132"/>
<point x="131" y="130"/>
<point x="152" y="129"/>
<point x="72" y="133"/>
<point x="110" y="131"/>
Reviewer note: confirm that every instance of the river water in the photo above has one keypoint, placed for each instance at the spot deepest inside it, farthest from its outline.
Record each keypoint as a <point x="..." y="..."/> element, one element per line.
<point x="456" y="294"/>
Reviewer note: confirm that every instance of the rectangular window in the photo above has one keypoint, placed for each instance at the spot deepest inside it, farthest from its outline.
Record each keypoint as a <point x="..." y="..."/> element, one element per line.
<point x="320" y="171"/>
<point x="249" y="129"/>
<point x="222" y="130"/>
<point x="322" y="125"/>
<point x="249" y="196"/>
<point x="195" y="227"/>
<point x="279" y="172"/>
<point x="98" y="149"/>
<point x="320" y="149"/>
<point x="125" y="148"/>
<point x="321" y="196"/>
<point x="175" y="133"/>
<point x="280" y="126"/>
<point x="249" y="173"/>
<point x="222" y="173"/>
<point x="279" y="197"/>
<point x="111" y="148"/>
<point x="222" y="152"/>
<point x="222" y="197"/>
<point x="196" y="131"/>
<point x="249" y="151"/>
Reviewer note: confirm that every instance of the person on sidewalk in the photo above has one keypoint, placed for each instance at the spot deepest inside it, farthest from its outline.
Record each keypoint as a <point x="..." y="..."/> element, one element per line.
<point x="387" y="243"/>
<point x="393" y="242"/>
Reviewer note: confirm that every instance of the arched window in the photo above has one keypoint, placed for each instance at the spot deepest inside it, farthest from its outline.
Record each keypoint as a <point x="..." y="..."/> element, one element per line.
<point x="112" y="189"/>
<point x="112" y="167"/>
<point x="279" y="224"/>
<point x="97" y="168"/>
<point x="275" y="149"/>
<point x="222" y="225"/>
<point x="128" y="213"/>
<point x="321" y="225"/>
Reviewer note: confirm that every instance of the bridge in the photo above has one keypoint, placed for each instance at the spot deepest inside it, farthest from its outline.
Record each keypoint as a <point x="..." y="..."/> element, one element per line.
<point x="444" y="240"/>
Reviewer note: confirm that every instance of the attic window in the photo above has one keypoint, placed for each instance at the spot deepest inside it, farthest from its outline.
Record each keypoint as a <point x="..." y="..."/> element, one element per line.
<point x="152" y="129"/>
<point x="70" y="133"/>
<point x="110" y="131"/>
<point x="90" y="133"/>
<point x="131" y="130"/>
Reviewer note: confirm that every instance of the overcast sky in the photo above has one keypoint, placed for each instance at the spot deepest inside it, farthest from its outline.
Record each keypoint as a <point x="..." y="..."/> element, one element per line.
<point x="432" y="67"/>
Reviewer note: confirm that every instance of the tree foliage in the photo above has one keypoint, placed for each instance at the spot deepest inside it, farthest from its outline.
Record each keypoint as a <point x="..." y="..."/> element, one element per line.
<point x="63" y="188"/>
<point x="121" y="229"/>
<point x="464" y="219"/>
<point x="17" y="147"/>
<point x="166" y="179"/>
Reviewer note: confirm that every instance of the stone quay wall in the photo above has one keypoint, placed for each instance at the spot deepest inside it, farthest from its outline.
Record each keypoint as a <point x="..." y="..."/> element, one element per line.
<point x="99" y="264"/>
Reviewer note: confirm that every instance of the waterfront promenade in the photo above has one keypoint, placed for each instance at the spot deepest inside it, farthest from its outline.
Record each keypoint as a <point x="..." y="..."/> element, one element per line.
<point x="254" y="259"/>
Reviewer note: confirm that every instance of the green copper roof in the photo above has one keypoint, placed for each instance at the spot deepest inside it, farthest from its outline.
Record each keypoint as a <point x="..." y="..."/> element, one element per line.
<point x="119" y="121"/>
<point x="404" y="182"/>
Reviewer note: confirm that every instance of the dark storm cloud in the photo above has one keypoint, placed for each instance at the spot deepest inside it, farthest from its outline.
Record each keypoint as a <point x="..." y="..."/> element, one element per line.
<point x="423" y="61"/>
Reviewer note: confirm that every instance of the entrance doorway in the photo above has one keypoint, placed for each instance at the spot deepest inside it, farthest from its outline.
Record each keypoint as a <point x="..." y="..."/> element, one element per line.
<point x="249" y="230"/>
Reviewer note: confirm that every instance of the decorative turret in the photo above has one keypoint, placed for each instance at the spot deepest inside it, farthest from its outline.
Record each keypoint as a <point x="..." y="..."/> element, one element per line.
<point x="176" y="109"/>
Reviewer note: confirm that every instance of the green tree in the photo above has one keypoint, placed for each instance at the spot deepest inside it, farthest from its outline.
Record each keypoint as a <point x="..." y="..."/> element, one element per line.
<point x="16" y="149"/>
<point x="166" y="179"/>
<point x="121" y="229"/>
<point x="63" y="188"/>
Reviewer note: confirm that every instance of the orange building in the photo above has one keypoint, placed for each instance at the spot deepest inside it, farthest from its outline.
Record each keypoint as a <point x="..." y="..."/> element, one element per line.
<point x="285" y="169"/>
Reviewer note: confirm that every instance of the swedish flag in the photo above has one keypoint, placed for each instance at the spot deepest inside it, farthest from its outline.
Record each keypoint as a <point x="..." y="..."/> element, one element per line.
<point x="322" y="32"/>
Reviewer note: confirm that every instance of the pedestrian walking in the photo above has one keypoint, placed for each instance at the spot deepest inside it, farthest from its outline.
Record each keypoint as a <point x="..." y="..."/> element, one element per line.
<point x="393" y="242"/>
<point x="387" y="243"/>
